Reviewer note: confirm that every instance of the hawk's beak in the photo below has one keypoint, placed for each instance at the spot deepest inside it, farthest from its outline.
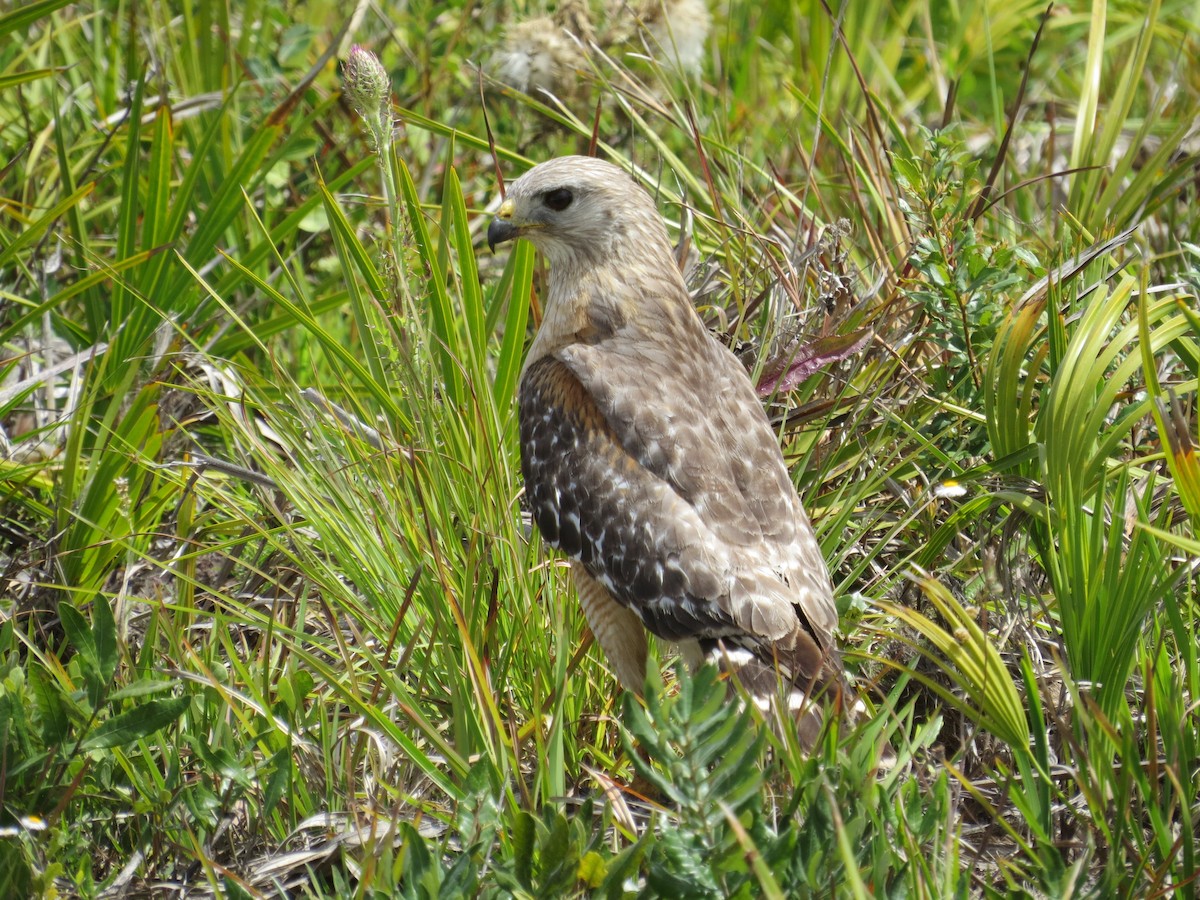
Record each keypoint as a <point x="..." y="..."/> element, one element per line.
<point x="502" y="229"/>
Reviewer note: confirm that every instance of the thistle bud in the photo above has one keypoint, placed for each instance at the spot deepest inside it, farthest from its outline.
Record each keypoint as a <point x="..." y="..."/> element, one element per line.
<point x="370" y="91"/>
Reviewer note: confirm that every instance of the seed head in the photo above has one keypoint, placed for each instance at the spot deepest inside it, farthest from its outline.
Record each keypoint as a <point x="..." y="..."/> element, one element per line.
<point x="370" y="91"/>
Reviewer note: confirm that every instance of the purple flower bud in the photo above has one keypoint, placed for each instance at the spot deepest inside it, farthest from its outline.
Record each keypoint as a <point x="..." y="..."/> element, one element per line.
<point x="370" y="91"/>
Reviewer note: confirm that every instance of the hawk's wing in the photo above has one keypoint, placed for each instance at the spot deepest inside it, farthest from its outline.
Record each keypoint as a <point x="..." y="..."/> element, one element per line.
<point x="658" y="471"/>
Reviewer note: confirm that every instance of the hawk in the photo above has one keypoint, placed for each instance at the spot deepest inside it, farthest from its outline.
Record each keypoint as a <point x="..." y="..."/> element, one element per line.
<point x="648" y="459"/>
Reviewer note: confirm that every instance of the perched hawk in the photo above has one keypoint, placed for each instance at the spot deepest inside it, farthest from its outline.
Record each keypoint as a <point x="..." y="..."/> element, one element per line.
<point x="648" y="459"/>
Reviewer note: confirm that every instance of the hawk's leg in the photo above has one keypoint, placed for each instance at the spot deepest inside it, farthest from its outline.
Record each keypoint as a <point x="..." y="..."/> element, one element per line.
<point x="616" y="628"/>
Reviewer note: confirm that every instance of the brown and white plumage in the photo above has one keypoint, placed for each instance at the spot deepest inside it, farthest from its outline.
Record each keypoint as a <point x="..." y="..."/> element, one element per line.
<point x="647" y="457"/>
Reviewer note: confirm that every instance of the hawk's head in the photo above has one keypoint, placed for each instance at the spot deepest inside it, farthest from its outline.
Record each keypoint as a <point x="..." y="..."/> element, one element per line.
<point x="577" y="209"/>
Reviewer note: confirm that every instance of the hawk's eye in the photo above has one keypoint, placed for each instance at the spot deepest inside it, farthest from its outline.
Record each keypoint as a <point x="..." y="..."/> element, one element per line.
<point x="558" y="199"/>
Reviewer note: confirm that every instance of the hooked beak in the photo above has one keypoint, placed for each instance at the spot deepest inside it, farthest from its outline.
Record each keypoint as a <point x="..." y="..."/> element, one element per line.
<point x="502" y="229"/>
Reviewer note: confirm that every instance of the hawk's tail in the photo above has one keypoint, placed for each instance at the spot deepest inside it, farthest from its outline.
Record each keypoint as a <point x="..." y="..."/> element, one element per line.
<point x="799" y="699"/>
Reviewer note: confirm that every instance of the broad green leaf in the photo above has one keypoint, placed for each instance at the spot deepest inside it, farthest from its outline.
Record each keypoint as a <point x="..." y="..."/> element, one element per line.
<point x="52" y="707"/>
<point x="78" y="633"/>
<point x="104" y="635"/>
<point x="134" y="724"/>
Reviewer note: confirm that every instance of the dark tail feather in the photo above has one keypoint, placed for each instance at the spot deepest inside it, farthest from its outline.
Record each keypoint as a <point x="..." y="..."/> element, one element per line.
<point x="800" y="701"/>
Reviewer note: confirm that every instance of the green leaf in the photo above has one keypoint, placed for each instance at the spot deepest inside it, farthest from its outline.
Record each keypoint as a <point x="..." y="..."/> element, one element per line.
<point x="143" y="687"/>
<point x="128" y="218"/>
<point x="524" y="829"/>
<point x="227" y="202"/>
<point x="16" y="877"/>
<point x="156" y="226"/>
<point x="592" y="869"/>
<point x="34" y="231"/>
<point x="232" y="888"/>
<point x="104" y="636"/>
<point x="623" y="867"/>
<point x="969" y="658"/>
<point x="51" y="705"/>
<point x="454" y="208"/>
<point x="343" y="355"/>
<point x="25" y="15"/>
<point x="519" y="276"/>
<point x="7" y="81"/>
<point x="79" y="634"/>
<point x="441" y="308"/>
<point x="136" y="723"/>
<point x="372" y="329"/>
<point x="281" y="778"/>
